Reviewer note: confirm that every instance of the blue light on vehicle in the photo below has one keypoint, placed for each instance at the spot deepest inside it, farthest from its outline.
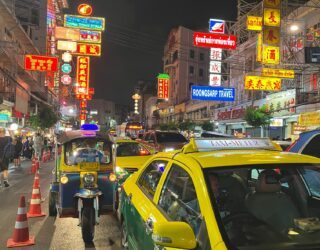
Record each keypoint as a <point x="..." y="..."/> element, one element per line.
<point x="89" y="127"/>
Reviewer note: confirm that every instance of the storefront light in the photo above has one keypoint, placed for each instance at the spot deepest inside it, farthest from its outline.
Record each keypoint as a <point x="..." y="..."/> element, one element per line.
<point x="294" y="27"/>
<point x="14" y="126"/>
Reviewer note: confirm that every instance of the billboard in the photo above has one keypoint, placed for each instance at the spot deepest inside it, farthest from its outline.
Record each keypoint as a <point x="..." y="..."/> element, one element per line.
<point x="281" y="103"/>
<point x="67" y="46"/>
<point x="217" y="26"/>
<point x="281" y="73"/>
<point x="81" y="22"/>
<point x="41" y="63"/>
<point x="206" y="93"/>
<point x="210" y="40"/>
<point x="262" y="83"/>
<point x="163" y="86"/>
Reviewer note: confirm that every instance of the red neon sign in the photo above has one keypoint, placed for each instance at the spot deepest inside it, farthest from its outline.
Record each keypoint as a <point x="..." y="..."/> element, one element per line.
<point x="83" y="75"/>
<point x="85" y="9"/>
<point x="163" y="88"/>
<point x="83" y="104"/>
<point x="210" y="40"/>
<point x="88" y="49"/>
<point x="83" y="97"/>
<point x="41" y="63"/>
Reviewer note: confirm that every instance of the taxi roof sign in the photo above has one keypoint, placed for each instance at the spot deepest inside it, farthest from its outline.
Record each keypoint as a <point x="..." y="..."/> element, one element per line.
<point x="204" y="145"/>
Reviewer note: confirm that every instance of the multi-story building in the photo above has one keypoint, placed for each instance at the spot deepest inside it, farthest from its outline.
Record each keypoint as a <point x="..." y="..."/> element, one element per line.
<point x="187" y="65"/>
<point x="23" y="31"/>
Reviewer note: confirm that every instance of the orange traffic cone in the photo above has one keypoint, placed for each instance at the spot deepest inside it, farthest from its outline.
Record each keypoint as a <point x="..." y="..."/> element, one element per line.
<point x="20" y="235"/>
<point x="37" y="164"/>
<point x="43" y="157"/>
<point x="33" y="166"/>
<point x="35" y="202"/>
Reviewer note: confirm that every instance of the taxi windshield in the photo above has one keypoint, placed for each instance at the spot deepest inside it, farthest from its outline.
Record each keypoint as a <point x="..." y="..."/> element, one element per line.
<point x="131" y="149"/>
<point x="267" y="206"/>
<point x="88" y="150"/>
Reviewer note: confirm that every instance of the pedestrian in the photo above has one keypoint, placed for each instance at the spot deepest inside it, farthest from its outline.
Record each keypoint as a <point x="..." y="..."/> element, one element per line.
<point x="38" y="146"/>
<point x="6" y="152"/>
<point x="17" y="153"/>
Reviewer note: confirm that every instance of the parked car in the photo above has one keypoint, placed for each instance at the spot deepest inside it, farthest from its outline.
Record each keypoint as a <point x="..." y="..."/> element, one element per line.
<point x="308" y="143"/>
<point x="283" y="144"/>
<point x="164" y="140"/>
<point x="211" y="134"/>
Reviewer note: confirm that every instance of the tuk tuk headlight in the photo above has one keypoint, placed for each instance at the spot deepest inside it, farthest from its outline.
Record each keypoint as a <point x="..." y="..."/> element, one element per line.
<point x="64" y="179"/>
<point x="88" y="179"/>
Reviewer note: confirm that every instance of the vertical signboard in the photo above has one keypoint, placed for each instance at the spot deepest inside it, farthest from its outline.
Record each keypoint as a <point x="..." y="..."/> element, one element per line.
<point x="163" y="86"/>
<point x="83" y="74"/>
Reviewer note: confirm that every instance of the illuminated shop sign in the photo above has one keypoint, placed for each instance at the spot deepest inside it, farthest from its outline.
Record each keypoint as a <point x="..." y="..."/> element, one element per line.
<point x="211" y="40"/>
<point x="67" y="46"/>
<point x="206" y="93"/>
<point x="85" y="9"/>
<point x="215" y="67"/>
<point x="41" y="63"/>
<point x="281" y="73"/>
<point x="88" y="49"/>
<point x="254" y="23"/>
<point x="262" y="83"/>
<point x="163" y="86"/>
<point x="271" y="17"/>
<point x="81" y="22"/>
<point x="83" y="72"/>
<point x="67" y="33"/>
<point x="215" y="54"/>
<point x="215" y="80"/>
<point x="216" y="26"/>
<point x="270" y="55"/>
<point x="90" y="36"/>
<point x="271" y="3"/>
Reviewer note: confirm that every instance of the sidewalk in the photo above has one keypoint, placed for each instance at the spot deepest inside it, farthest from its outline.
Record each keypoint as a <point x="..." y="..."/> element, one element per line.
<point x="25" y="165"/>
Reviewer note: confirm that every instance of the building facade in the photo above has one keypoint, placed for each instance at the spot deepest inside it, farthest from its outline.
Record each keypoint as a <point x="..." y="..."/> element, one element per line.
<point x="102" y="112"/>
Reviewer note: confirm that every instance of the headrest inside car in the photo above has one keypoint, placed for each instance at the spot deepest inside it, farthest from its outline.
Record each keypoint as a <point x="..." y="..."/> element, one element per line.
<point x="268" y="182"/>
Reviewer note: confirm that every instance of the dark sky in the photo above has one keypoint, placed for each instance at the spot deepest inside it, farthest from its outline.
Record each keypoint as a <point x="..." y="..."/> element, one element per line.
<point x="136" y="31"/>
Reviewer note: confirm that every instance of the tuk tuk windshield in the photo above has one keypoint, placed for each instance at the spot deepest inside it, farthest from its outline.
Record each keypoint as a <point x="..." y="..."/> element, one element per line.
<point x="88" y="150"/>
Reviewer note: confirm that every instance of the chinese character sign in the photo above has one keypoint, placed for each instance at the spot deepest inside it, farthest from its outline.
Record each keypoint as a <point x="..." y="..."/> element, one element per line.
<point x="215" y="54"/>
<point x="163" y="88"/>
<point x="215" y="80"/>
<point x="259" y="48"/>
<point x="41" y="63"/>
<point x="88" y="49"/>
<point x="215" y="67"/>
<point x="211" y="40"/>
<point x="271" y="36"/>
<point x="254" y="23"/>
<point x="271" y="55"/>
<point x="271" y="3"/>
<point x="83" y="69"/>
<point x="262" y="83"/>
<point x="83" y="104"/>
<point x="271" y="17"/>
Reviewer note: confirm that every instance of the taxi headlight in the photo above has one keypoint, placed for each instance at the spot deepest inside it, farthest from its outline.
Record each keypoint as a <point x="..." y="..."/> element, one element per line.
<point x="88" y="178"/>
<point x="168" y="149"/>
<point x="120" y="172"/>
<point x="64" y="179"/>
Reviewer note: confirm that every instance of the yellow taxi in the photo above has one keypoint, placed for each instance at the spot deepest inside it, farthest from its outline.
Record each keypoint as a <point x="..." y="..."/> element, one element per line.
<point x="129" y="155"/>
<point x="223" y="194"/>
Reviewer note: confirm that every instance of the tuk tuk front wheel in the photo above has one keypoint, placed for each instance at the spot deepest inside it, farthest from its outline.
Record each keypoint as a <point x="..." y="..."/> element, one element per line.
<point x="52" y="204"/>
<point x="88" y="224"/>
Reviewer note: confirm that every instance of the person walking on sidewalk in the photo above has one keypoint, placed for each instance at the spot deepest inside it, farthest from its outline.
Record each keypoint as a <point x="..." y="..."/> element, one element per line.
<point x="17" y="153"/>
<point x="6" y="152"/>
<point x="38" y="145"/>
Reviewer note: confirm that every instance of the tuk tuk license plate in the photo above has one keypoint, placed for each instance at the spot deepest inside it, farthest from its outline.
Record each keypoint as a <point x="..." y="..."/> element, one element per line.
<point x="94" y="166"/>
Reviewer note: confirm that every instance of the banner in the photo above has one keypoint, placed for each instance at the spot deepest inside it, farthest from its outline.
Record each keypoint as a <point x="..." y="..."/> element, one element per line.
<point x="206" y="93"/>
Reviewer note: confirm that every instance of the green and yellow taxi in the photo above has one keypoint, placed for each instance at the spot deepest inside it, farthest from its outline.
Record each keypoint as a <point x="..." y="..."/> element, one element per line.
<point x="223" y="194"/>
<point x="130" y="155"/>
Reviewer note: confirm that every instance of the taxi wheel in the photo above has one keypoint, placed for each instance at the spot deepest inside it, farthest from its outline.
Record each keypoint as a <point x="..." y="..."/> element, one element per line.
<point x="124" y="236"/>
<point x="87" y="224"/>
<point x="52" y="204"/>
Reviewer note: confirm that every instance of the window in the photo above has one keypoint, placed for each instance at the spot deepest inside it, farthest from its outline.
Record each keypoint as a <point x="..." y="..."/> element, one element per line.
<point x="191" y="70"/>
<point x="178" y="198"/>
<point x="150" y="178"/>
<point x="131" y="149"/>
<point x="165" y="137"/>
<point x="175" y="56"/>
<point x="201" y="56"/>
<point x="313" y="147"/>
<point x="312" y="179"/>
<point x="191" y="54"/>
<point x="201" y="72"/>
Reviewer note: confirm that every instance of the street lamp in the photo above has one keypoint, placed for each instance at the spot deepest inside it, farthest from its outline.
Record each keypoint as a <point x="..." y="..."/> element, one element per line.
<point x="136" y="97"/>
<point x="294" y="27"/>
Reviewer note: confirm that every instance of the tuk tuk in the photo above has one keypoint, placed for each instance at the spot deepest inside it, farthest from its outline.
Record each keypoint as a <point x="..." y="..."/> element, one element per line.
<point x="83" y="179"/>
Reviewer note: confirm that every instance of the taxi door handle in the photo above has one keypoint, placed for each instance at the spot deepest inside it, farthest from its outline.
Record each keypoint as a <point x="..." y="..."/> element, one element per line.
<point x="149" y="226"/>
<point x="129" y="198"/>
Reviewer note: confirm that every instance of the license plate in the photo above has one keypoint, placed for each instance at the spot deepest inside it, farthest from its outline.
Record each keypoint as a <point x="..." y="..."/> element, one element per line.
<point x="89" y="165"/>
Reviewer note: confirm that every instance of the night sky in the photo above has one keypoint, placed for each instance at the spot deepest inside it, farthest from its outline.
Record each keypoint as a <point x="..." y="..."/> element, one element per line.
<point x="136" y="32"/>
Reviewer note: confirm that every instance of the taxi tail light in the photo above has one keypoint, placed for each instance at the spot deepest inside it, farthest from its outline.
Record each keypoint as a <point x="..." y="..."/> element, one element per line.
<point x="112" y="177"/>
<point x="144" y="152"/>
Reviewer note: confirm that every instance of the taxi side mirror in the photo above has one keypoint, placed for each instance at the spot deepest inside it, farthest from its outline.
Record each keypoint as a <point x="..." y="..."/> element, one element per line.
<point x="174" y="234"/>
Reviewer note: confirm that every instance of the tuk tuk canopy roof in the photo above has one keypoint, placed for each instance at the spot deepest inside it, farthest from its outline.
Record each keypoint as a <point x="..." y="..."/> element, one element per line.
<point x="75" y="134"/>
